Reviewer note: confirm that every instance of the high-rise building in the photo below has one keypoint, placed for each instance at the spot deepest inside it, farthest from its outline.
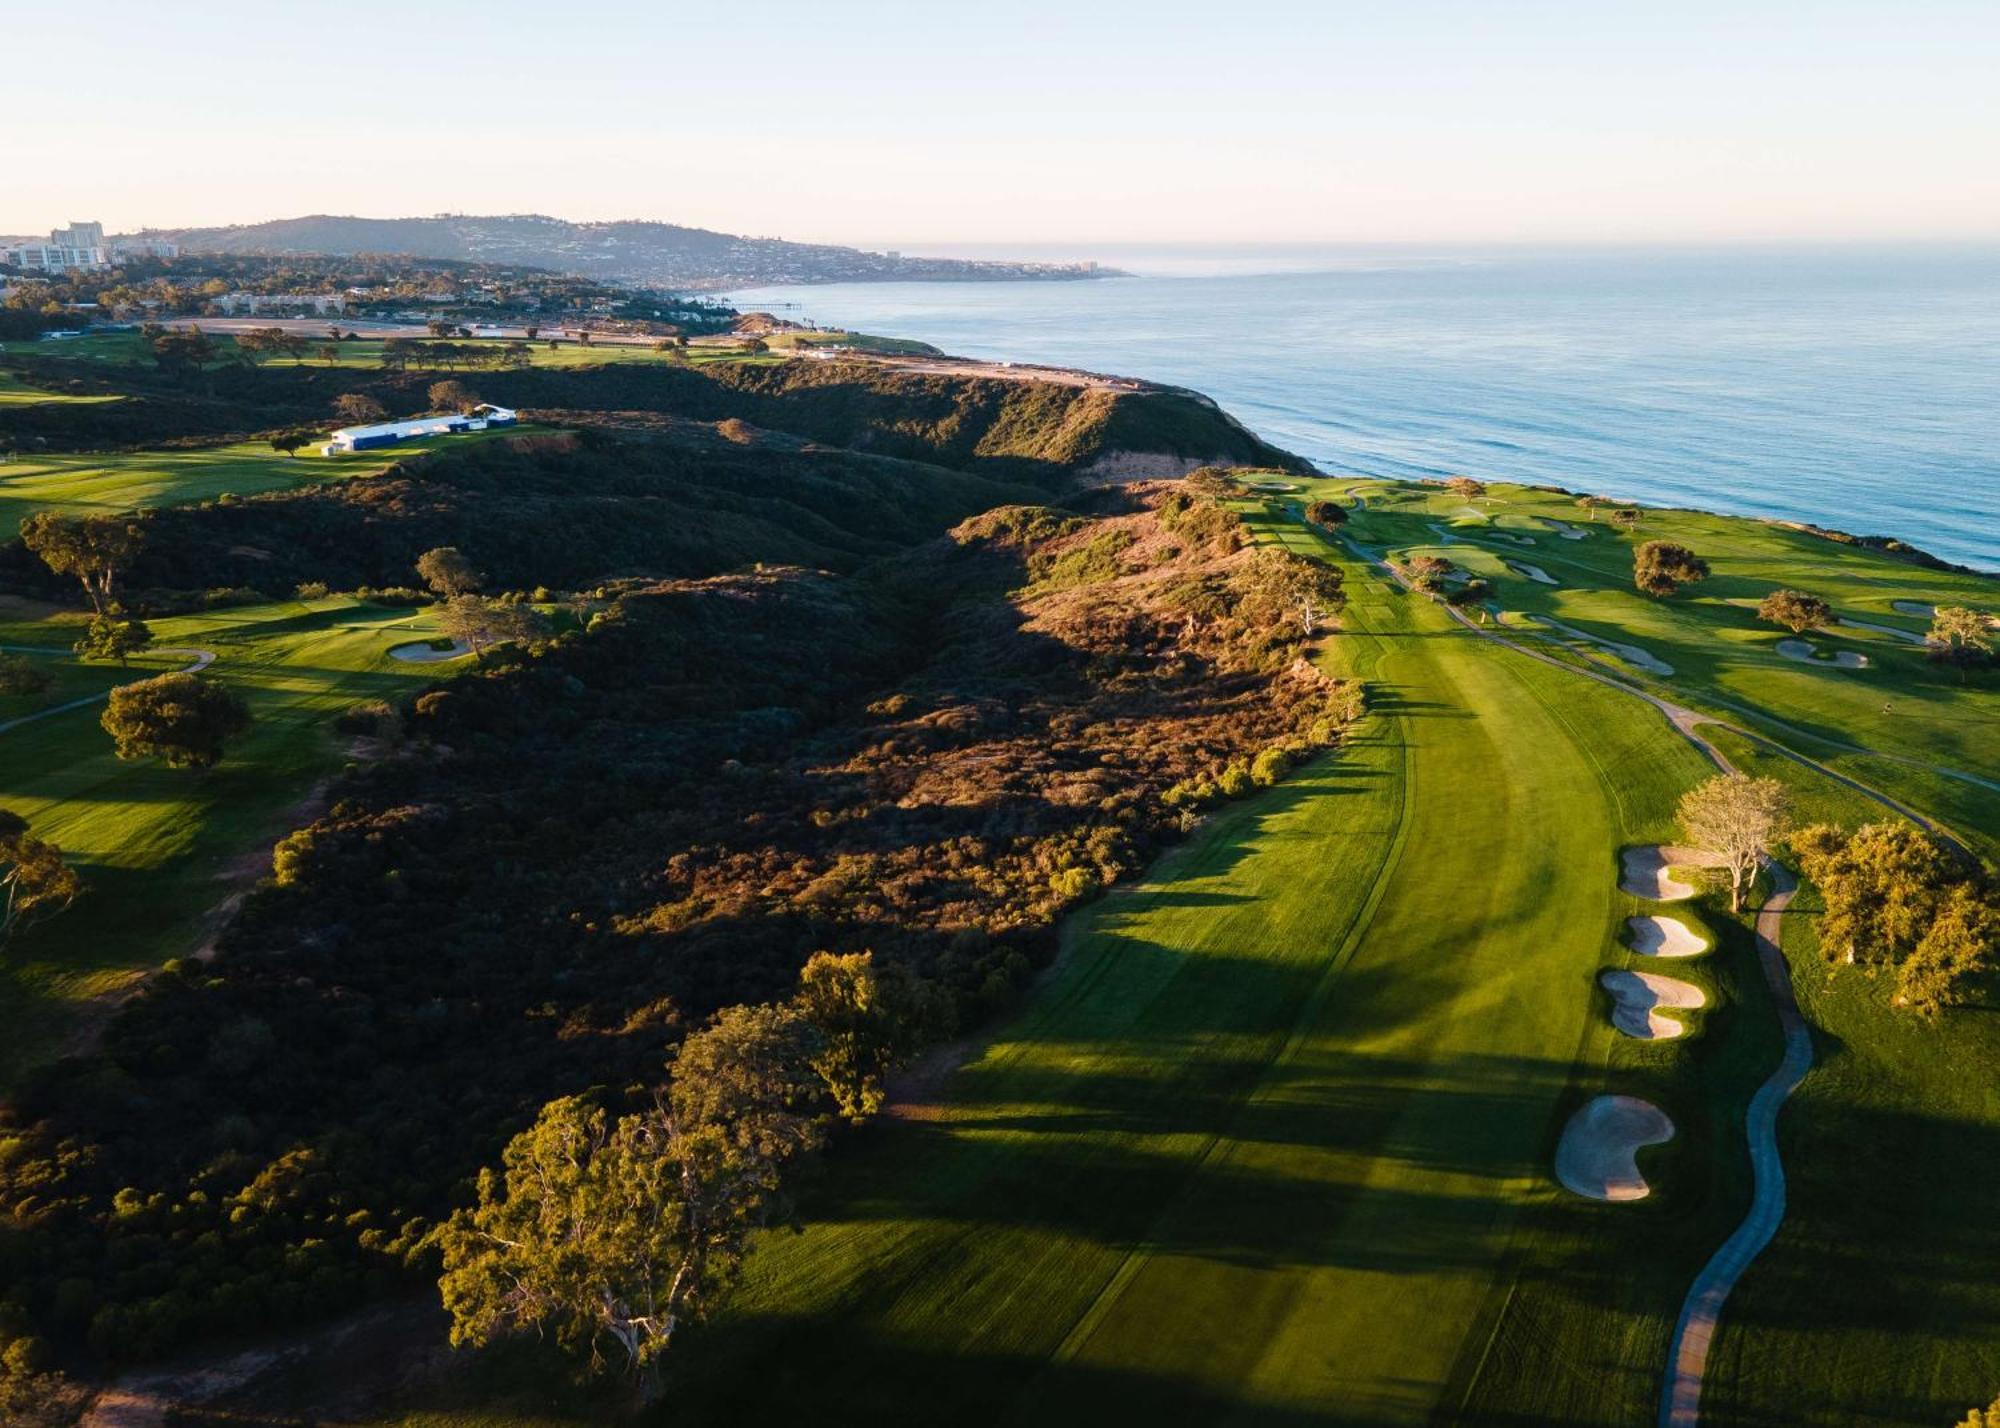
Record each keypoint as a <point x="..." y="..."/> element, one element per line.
<point x="81" y="245"/>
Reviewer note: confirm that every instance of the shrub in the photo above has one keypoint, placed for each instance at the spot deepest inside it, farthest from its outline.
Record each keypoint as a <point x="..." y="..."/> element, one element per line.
<point x="1270" y="766"/>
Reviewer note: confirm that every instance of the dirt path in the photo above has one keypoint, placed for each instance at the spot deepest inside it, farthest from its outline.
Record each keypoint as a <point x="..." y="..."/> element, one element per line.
<point x="201" y="659"/>
<point x="1687" y="1361"/>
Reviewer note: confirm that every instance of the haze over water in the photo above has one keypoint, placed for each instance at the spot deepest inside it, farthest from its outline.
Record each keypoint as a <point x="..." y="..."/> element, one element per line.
<point x="1858" y="389"/>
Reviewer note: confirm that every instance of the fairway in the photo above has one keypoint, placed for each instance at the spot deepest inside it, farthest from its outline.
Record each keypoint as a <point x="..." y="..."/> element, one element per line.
<point x="111" y="483"/>
<point x="155" y="844"/>
<point x="1272" y="1143"/>
<point x="1923" y="733"/>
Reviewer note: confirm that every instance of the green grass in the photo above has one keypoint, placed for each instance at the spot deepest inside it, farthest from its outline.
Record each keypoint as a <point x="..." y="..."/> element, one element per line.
<point x="1877" y="1303"/>
<point x="112" y="482"/>
<point x="366" y="353"/>
<point x="1272" y="1141"/>
<point x="153" y="843"/>
<point x="1919" y="732"/>
<point x="16" y="393"/>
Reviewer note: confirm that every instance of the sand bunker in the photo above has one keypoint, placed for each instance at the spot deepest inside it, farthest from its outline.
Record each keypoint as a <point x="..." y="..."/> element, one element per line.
<point x="1533" y="572"/>
<point x="1563" y="528"/>
<point x="1914" y="607"/>
<point x="1663" y="937"/>
<point x="1638" y="996"/>
<point x="422" y="653"/>
<point x="1646" y="872"/>
<point x="1631" y="654"/>
<point x="1806" y="654"/>
<point x="1598" y="1156"/>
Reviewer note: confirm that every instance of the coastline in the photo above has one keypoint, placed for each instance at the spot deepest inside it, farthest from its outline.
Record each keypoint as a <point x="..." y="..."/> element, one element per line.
<point x="1844" y="391"/>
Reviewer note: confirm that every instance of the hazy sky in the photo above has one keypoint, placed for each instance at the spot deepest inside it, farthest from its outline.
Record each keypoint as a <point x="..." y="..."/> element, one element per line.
<point x="898" y="123"/>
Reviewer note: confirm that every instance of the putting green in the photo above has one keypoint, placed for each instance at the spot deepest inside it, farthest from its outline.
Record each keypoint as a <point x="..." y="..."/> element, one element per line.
<point x="1266" y="1142"/>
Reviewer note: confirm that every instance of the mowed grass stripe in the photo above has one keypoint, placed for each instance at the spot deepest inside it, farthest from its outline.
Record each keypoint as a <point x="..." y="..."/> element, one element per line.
<point x="1295" y="1179"/>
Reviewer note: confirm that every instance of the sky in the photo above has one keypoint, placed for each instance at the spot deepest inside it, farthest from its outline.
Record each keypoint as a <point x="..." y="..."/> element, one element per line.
<point x="899" y="124"/>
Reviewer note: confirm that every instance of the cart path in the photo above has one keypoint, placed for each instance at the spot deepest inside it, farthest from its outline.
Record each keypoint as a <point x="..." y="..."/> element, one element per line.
<point x="199" y="659"/>
<point x="1687" y="1360"/>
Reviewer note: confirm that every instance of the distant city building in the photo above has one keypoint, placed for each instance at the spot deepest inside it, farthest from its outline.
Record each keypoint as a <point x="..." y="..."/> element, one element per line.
<point x="123" y="248"/>
<point x="79" y="246"/>
<point x="234" y="304"/>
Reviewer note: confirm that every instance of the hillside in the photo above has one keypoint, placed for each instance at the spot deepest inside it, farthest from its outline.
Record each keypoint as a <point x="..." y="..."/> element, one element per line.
<point x="1012" y="428"/>
<point x="662" y="254"/>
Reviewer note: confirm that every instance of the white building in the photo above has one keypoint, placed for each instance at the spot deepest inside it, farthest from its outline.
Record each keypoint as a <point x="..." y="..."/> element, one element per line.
<point x="350" y="439"/>
<point x="81" y="245"/>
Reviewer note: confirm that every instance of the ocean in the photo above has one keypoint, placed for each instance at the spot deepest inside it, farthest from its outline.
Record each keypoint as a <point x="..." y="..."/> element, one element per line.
<point x="1852" y="388"/>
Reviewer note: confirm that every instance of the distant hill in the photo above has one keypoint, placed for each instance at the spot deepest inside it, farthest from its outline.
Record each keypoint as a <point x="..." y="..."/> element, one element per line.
<point x="662" y="254"/>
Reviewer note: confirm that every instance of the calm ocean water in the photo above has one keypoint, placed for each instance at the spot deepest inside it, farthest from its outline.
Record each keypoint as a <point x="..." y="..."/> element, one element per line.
<point x="1856" y="389"/>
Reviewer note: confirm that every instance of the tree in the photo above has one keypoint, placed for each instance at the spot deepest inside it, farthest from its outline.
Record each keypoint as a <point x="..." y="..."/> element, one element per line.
<point x="1962" y="941"/>
<point x="1626" y="518"/>
<point x="1466" y="486"/>
<point x="177" y="350"/>
<point x="447" y="572"/>
<point x="329" y="353"/>
<point x="397" y="353"/>
<point x="624" y="1231"/>
<point x="181" y="719"/>
<point x="451" y="397"/>
<point x="36" y="881"/>
<point x="1960" y="636"/>
<point x="1426" y="572"/>
<point x="1327" y="513"/>
<point x="533" y="333"/>
<point x="1590" y="504"/>
<point x="95" y="549"/>
<point x="850" y="1005"/>
<point x="113" y="636"/>
<point x="358" y="409"/>
<point x="478" y="623"/>
<point x="1660" y="567"/>
<point x="1894" y="897"/>
<point x="1982" y="1418"/>
<point x="753" y="1072"/>
<point x="1795" y="610"/>
<point x="289" y="442"/>
<point x="21" y="678"/>
<point x="1738" y="818"/>
<point x="258" y="341"/>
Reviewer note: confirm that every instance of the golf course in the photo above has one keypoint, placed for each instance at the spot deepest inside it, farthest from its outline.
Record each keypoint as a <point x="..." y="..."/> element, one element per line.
<point x="1429" y="1079"/>
<point x="1275" y="1134"/>
<point x="160" y="847"/>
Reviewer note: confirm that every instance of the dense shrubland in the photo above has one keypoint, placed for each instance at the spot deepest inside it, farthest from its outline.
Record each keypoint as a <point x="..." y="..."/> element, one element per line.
<point x="566" y="862"/>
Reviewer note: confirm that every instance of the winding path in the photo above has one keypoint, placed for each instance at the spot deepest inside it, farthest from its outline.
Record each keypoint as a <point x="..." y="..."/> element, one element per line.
<point x="199" y="659"/>
<point x="1687" y="1360"/>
